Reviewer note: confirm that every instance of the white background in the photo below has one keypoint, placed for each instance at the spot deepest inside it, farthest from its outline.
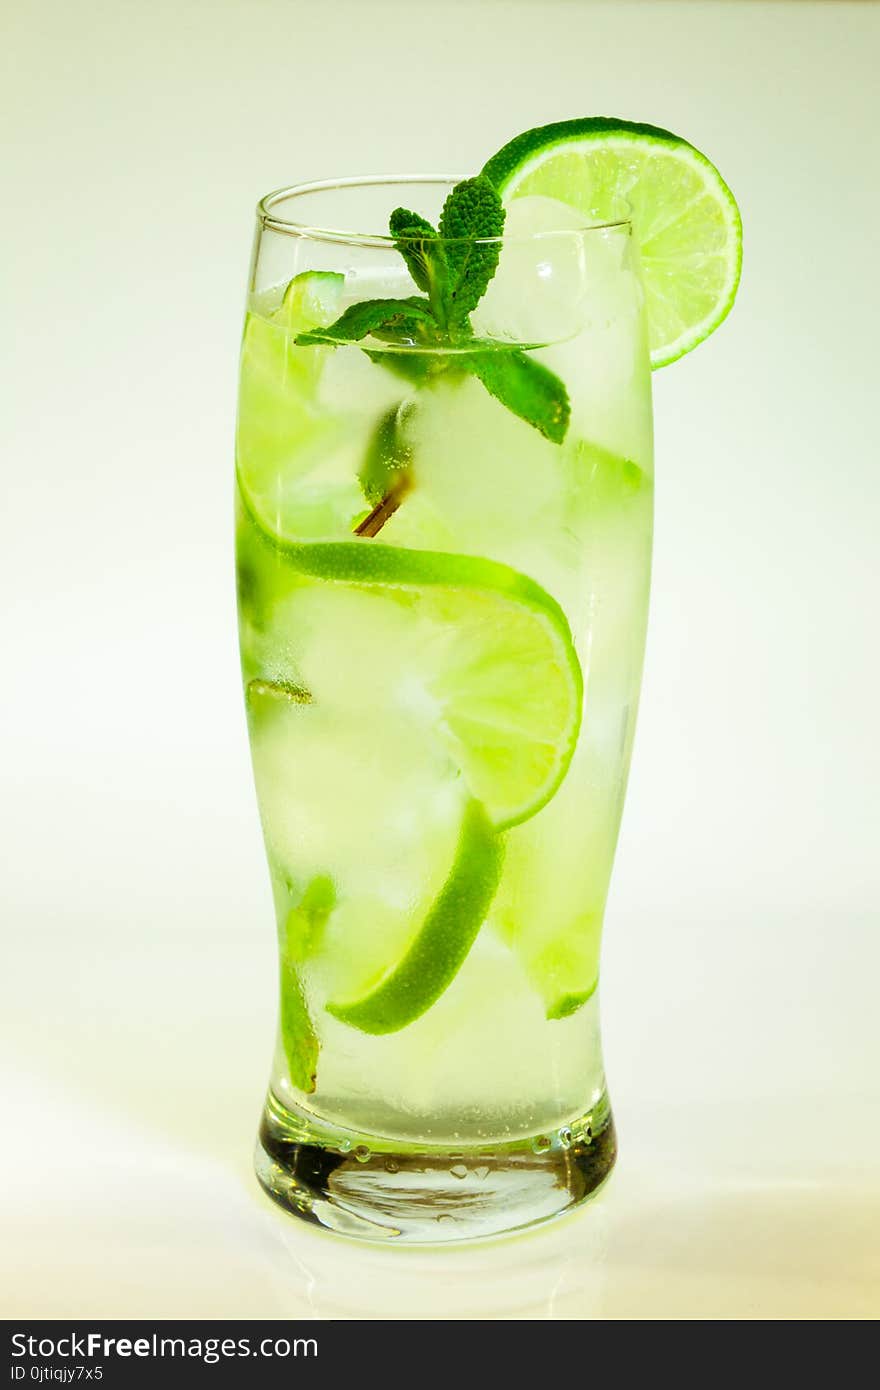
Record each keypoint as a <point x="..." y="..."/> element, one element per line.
<point x="742" y="956"/>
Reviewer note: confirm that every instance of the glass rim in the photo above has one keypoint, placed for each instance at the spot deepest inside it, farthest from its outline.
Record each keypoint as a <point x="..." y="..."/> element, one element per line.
<point x="269" y="220"/>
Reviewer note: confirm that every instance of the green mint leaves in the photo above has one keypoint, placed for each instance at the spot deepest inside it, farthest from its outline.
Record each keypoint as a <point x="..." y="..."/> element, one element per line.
<point x="471" y="214"/>
<point x="394" y="319"/>
<point x="453" y="268"/>
<point x="425" y="258"/>
<point x="527" y="388"/>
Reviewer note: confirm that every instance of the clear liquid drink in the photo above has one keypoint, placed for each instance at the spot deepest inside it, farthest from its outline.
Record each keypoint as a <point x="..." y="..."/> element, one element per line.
<point x="442" y="616"/>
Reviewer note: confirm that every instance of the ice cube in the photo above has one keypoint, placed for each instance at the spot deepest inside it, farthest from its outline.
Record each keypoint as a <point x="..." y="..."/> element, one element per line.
<point x="551" y="263"/>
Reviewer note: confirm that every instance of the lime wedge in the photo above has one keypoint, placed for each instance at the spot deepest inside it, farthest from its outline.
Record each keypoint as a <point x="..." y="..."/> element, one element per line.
<point x="303" y="926"/>
<point x="311" y="300"/>
<point x="687" y="223"/>
<point x="492" y="656"/>
<point x="305" y="923"/>
<point x="298" y="1036"/>
<point x="271" y="366"/>
<point x="443" y="940"/>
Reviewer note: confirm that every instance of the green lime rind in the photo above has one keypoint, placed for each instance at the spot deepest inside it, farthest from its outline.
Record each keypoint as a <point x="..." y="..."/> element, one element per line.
<point x="444" y="939"/>
<point x="298" y="1036"/>
<point x="370" y="563"/>
<point x="543" y="139"/>
<point x="671" y="250"/>
<point x="301" y="937"/>
<point x="311" y="299"/>
<point x="305" y="923"/>
<point x="567" y="1004"/>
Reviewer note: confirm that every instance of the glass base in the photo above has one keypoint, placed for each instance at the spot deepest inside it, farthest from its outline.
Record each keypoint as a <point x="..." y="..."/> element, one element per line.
<point x="385" y="1190"/>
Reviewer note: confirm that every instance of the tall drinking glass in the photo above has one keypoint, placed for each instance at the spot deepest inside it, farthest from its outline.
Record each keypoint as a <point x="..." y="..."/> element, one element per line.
<point x="443" y="591"/>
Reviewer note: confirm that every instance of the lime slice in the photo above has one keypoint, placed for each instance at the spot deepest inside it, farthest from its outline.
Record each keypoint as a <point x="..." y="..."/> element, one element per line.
<point x="686" y="220"/>
<point x="304" y="924"/>
<point x="270" y="362"/>
<point x="298" y="1036"/>
<point x="499" y="674"/>
<point x="311" y="300"/>
<point x="447" y="933"/>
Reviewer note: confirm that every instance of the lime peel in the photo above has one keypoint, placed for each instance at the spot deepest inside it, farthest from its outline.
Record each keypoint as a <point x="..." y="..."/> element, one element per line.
<point x="568" y="1004"/>
<point x="298" y="1037"/>
<point x="444" y="939"/>
<point x="686" y="218"/>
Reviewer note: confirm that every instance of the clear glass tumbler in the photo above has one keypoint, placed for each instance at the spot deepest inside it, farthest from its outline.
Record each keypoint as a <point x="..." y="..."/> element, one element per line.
<point x="443" y="573"/>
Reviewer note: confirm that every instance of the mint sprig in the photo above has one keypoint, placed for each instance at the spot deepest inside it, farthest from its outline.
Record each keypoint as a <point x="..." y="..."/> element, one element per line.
<point x="454" y="267"/>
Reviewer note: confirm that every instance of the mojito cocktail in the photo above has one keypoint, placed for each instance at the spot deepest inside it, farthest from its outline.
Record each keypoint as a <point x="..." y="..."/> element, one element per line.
<point x="444" y="517"/>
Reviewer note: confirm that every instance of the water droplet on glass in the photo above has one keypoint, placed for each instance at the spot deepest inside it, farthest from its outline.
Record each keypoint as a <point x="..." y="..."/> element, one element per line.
<point x="362" y="1153"/>
<point x="541" y="1144"/>
<point x="392" y="1166"/>
<point x="482" y="1172"/>
<point x="459" y="1170"/>
<point x="565" y="1137"/>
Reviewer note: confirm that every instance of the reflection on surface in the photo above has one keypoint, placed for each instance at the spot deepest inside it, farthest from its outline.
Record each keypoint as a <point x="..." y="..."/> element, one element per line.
<point x="640" y="1249"/>
<point x="140" y="1200"/>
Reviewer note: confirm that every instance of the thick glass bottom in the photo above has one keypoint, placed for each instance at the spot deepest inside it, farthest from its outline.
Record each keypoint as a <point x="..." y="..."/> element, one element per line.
<point x="382" y="1190"/>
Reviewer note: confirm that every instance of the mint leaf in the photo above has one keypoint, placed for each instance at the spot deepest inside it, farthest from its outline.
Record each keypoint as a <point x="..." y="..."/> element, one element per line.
<point x="388" y="456"/>
<point x="414" y="367"/>
<point x="406" y="331"/>
<point x="528" y="389"/>
<point x="419" y="246"/>
<point x="412" y="235"/>
<point x="472" y="211"/>
<point x="370" y="316"/>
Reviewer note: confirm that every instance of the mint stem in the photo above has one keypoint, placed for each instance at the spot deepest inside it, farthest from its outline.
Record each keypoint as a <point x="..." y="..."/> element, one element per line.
<point x="385" y="509"/>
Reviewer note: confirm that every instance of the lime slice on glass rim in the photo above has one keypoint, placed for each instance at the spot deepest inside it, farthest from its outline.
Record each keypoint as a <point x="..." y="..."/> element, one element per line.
<point x="686" y="221"/>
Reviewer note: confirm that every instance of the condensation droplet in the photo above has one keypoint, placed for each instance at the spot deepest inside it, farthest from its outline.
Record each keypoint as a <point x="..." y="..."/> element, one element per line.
<point x="459" y="1170"/>
<point x="541" y="1144"/>
<point x="565" y="1137"/>
<point x="482" y="1172"/>
<point x="362" y="1153"/>
<point x="392" y="1166"/>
